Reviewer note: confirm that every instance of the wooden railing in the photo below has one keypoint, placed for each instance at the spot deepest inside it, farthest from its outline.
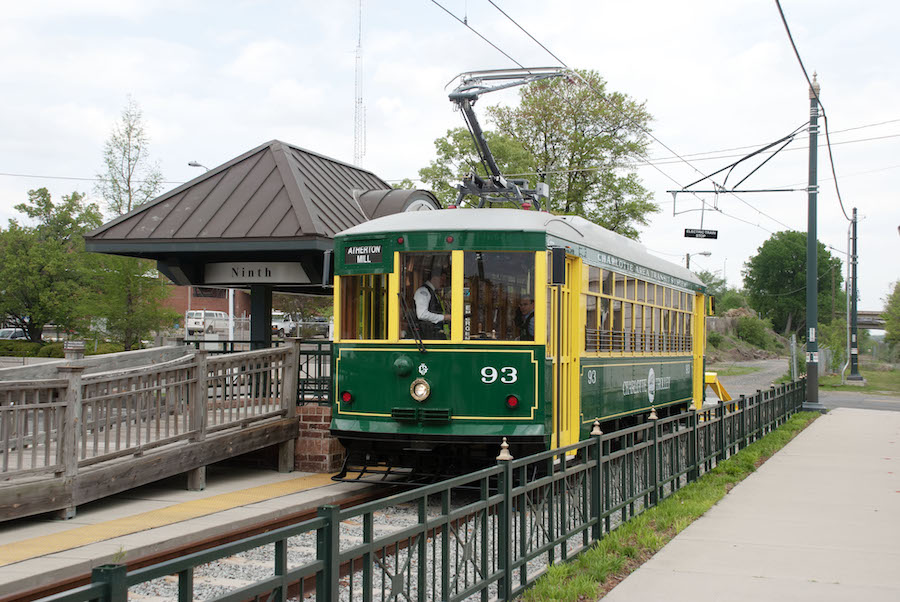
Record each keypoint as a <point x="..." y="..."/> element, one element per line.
<point x="63" y="428"/>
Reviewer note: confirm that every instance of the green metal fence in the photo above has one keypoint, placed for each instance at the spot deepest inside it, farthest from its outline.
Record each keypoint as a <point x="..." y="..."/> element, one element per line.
<point x="488" y="534"/>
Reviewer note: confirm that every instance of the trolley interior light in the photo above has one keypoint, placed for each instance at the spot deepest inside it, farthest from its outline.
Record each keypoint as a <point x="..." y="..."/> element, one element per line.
<point x="512" y="402"/>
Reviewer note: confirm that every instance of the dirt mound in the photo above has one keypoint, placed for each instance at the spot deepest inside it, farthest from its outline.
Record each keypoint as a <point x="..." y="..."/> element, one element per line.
<point x="740" y="312"/>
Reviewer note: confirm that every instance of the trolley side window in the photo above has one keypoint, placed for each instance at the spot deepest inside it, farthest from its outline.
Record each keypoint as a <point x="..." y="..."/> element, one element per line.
<point x="426" y="295"/>
<point x="498" y="296"/>
<point x="364" y="307"/>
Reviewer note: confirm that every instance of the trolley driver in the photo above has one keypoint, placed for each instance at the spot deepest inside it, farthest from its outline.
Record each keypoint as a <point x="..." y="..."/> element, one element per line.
<point x="430" y="309"/>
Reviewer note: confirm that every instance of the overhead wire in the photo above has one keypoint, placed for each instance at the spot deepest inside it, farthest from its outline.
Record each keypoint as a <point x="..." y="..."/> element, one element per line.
<point x="635" y="124"/>
<point x="815" y="93"/>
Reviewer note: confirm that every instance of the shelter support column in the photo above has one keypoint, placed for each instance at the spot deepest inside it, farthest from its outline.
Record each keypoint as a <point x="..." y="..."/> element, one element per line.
<point x="260" y="316"/>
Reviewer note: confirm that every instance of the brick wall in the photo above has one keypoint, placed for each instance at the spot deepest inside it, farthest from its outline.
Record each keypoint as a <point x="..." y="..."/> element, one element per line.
<point x="316" y="450"/>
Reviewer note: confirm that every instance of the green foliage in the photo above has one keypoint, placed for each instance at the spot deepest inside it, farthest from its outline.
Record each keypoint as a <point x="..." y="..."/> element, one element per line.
<point x="19" y="348"/>
<point x="129" y="179"/>
<point x="104" y="348"/>
<point x="43" y="268"/>
<point x="715" y="285"/>
<point x="51" y="350"/>
<point x="754" y="331"/>
<point x="891" y="317"/>
<point x="730" y="298"/>
<point x="775" y="281"/>
<point x="579" y="139"/>
<point x="129" y="292"/>
<point x="129" y="298"/>
<point x="714" y="338"/>
<point x="834" y="337"/>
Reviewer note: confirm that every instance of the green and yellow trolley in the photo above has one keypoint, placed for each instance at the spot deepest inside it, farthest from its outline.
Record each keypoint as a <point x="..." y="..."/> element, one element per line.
<point x="458" y="327"/>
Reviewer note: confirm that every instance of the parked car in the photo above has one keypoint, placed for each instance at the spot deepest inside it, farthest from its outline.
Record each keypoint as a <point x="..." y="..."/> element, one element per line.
<point x="198" y="321"/>
<point x="12" y="333"/>
<point x="283" y="324"/>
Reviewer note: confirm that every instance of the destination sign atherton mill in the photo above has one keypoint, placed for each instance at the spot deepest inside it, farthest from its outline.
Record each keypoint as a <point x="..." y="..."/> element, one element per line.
<point x="362" y="254"/>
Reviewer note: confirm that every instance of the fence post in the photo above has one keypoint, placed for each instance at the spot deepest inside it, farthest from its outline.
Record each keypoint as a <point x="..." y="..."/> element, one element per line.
<point x="694" y="448"/>
<point x="743" y="441"/>
<point x="327" y="550"/>
<point x="721" y="411"/>
<point x="289" y="402"/>
<point x="196" y="478"/>
<point x="113" y="576"/>
<point x="504" y="539"/>
<point x="597" y="481"/>
<point x="654" y="455"/>
<point x="70" y="447"/>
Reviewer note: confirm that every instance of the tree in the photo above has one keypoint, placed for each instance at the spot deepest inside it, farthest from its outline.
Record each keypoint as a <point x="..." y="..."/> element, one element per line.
<point x="304" y="306"/>
<point x="131" y="299"/>
<point x="129" y="178"/>
<point x="43" y="268"/>
<point x="715" y="285"/>
<point x="578" y="138"/>
<point x="130" y="291"/>
<point x="775" y="280"/>
<point x="891" y="316"/>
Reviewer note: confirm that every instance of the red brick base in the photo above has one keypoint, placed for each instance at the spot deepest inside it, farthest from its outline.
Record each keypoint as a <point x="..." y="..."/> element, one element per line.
<point x="316" y="450"/>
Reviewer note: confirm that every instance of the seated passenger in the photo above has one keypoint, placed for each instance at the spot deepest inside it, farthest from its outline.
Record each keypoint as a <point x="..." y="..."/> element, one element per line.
<point x="526" y="326"/>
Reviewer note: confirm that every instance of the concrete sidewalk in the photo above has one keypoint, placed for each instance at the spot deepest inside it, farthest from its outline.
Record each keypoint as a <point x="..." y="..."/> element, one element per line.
<point x="820" y="521"/>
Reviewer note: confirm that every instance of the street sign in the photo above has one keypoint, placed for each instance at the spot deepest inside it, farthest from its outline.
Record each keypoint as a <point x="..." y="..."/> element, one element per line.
<point x="697" y="233"/>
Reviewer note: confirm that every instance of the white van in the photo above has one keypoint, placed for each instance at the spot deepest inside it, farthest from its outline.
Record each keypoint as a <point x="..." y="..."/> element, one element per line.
<point x="198" y="321"/>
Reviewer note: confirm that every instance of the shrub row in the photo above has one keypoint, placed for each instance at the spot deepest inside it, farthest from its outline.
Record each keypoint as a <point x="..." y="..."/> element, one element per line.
<point x="31" y="349"/>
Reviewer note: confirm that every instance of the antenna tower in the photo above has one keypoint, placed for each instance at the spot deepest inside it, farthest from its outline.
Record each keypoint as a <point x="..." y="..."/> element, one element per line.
<point x="359" y="113"/>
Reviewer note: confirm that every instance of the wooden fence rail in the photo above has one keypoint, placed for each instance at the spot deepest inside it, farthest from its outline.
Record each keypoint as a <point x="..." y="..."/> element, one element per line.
<point x="68" y="440"/>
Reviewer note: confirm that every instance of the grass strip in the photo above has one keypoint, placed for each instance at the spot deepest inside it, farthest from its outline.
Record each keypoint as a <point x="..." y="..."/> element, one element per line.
<point x="879" y="382"/>
<point x="596" y="571"/>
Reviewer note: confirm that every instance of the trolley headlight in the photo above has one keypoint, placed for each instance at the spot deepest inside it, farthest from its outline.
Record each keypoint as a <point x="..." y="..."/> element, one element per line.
<point x="420" y="389"/>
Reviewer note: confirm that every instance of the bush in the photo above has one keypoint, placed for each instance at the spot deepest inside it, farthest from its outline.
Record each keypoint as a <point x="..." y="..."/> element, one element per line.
<point x="19" y="348"/>
<point x="715" y="338"/>
<point x="753" y="331"/>
<point x="103" y="348"/>
<point x="51" y="350"/>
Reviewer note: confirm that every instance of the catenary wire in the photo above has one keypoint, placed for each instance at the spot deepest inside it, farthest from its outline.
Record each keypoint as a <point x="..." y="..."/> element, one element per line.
<point x="819" y="102"/>
<point x="639" y="126"/>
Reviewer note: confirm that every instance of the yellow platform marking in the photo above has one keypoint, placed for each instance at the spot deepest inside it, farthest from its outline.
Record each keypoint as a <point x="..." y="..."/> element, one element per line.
<point x="81" y="536"/>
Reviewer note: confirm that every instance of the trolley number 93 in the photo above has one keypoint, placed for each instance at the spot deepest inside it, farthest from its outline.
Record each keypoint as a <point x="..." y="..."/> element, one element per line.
<point x="506" y="375"/>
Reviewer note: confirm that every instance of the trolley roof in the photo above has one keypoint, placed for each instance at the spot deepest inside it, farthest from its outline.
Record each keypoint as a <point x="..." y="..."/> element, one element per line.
<point x="558" y="228"/>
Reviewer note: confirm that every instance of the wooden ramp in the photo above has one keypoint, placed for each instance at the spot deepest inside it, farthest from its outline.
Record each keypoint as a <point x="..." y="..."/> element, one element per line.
<point x="77" y="438"/>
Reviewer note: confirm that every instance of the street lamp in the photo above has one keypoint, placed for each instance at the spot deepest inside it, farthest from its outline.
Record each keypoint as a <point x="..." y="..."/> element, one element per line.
<point x="196" y="164"/>
<point x="687" y="257"/>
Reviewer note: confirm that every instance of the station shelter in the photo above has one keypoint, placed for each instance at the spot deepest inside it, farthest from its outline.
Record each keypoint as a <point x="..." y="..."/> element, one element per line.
<point x="263" y="221"/>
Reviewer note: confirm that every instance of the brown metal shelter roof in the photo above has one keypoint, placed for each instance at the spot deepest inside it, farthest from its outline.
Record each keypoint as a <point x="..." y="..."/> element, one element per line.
<point x="274" y="202"/>
<point x="275" y="191"/>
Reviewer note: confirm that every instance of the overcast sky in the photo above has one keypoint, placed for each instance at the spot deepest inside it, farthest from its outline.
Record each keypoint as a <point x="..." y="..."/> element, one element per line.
<point x="215" y="79"/>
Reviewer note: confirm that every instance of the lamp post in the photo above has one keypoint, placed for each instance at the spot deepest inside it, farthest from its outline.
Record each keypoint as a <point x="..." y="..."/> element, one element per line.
<point x="196" y="164"/>
<point x="230" y="290"/>
<point x="687" y="257"/>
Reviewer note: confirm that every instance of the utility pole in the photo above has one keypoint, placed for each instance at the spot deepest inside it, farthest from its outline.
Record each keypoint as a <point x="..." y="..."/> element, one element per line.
<point x="359" y="109"/>
<point x="812" y="269"/>
<point x="851" y="290"/>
